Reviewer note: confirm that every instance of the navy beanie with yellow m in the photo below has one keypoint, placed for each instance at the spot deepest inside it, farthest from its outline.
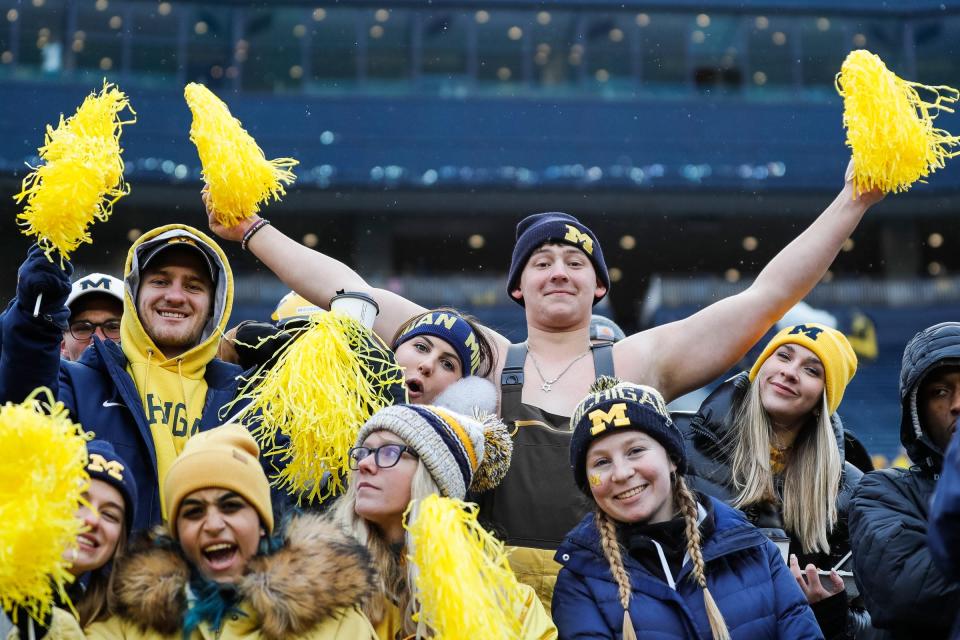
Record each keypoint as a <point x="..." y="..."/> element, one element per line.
<point x="542" y="228"/>
<point x="614" y="406"/>
<point x="104" y="463"/>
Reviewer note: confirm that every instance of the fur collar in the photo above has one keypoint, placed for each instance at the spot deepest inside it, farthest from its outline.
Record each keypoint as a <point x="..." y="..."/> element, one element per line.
<point x="317" y="572"/>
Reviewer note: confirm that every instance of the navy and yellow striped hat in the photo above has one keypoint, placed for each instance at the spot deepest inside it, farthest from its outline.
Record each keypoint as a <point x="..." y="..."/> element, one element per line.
<point x="460" y="452"/>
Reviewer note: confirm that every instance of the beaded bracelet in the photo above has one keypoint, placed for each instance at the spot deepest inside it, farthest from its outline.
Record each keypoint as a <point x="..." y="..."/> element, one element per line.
<point x="256" y="226"/>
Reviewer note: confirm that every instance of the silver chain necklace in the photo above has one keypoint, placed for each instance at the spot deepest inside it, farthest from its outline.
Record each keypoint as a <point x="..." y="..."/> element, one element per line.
<point x="548" y="384"/>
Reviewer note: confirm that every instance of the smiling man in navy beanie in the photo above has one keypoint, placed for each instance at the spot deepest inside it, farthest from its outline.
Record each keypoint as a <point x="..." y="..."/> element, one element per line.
<point x="554" y="228"/>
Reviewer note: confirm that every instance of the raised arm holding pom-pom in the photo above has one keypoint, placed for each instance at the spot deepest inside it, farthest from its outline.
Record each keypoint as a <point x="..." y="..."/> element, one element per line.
<point x="684" y="355"/>
<point x="313" y="275"/>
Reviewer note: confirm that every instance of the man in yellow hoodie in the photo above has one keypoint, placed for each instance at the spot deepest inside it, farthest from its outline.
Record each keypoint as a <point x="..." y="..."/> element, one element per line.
<point x="163" y="383"/>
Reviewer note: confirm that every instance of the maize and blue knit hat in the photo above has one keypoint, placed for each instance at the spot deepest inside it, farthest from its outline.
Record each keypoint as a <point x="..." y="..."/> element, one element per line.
<point x="461" y="452"/>
<point x="450" y="327"/>
<point x="104" y="463"/>
<point x="541" y="228"/>
<point x="615" y="406"/>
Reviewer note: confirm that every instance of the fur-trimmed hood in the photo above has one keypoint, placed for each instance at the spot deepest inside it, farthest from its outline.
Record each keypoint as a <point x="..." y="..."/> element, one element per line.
<point x="318" y="572"/>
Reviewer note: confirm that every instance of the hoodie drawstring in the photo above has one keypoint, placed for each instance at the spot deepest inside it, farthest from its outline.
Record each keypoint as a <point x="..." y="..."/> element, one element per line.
<point x="183" y="390"/>
<point x="146" y="373"/>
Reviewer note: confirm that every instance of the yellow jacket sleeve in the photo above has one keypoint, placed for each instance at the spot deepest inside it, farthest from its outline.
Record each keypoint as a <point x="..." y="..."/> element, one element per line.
<point x="63" y="627"/>
<point x="537" y="624"/>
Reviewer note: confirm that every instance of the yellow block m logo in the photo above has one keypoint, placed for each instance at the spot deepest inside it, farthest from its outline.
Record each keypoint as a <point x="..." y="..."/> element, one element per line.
<point x="110" y="467"/>
<point x="602" y="419"/>
<point x="579" y="238"/>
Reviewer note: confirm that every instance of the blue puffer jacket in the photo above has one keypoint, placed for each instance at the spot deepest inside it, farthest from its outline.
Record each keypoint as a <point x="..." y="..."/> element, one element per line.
<point x="907" y="592"/>
<point x="745" y="574"/>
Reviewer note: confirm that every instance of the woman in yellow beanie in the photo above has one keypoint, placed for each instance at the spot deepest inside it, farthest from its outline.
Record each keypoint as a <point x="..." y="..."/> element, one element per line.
<point x="769" y="442"/>
<point x="218" y="568"/>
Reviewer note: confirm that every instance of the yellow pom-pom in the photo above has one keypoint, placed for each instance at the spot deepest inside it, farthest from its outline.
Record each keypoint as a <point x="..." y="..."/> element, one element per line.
<point x="313" y="398"/>
<point x="890" y="127"/>
<point x="42" y="477"/>
<point x="82" y="176"/>
<point x="239" y="175"/>
<point x="464" y="583"/>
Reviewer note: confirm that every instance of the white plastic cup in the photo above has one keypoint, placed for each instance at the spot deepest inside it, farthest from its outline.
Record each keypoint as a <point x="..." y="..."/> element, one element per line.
<point x="357" y="305"/>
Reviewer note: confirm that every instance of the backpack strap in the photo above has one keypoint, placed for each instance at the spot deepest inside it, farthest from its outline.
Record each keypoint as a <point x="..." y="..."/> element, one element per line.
<point x="603" y="359"/>
<point x="511" y="380"/>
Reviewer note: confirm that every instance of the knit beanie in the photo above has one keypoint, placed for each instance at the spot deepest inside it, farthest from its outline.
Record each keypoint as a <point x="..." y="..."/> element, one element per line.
<point x="451" y="328"/>
<point x="226" y="457"/>
<point x="614" y="406"/>
<point x="541" y="228"/>
<point x="832" y="347"/>
<point x="104" y="463"/>
<point x="461" y="452"/>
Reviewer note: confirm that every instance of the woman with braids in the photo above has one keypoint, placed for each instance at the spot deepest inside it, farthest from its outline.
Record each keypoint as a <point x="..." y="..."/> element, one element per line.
<point x="769" y="442"/>
<point x="656" y="559"/>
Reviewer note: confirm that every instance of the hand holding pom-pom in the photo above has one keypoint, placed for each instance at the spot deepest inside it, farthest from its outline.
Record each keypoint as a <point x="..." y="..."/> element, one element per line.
<point x="869" y="198"/>
<point x="214" y="217"/>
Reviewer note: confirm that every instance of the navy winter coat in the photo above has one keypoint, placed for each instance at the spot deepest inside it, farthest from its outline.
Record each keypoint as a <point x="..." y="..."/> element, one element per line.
<point x="745" y="574"/>
<point x="97" y="390"/>
<point x="944" y="534"/>
<point x="906" y="591"/>
<point x="101" y="396"/>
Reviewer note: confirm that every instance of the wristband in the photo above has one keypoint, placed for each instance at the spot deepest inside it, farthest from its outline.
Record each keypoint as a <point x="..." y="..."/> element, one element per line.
<point x="256" y="226"/>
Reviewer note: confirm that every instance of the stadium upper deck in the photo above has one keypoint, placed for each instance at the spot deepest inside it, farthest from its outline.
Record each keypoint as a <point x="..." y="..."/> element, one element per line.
<point x="511" y="95"/>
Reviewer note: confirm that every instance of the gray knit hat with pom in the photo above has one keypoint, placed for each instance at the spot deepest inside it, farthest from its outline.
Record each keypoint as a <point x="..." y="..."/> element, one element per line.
<point x="462" y="452"/>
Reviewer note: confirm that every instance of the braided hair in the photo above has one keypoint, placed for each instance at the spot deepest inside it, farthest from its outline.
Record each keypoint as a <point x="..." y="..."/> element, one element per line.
<point x="612" y="551"/>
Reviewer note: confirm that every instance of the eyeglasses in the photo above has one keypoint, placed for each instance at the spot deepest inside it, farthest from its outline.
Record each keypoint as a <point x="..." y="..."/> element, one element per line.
<point x="385" y="456"/>
<point x="82" y="330"/>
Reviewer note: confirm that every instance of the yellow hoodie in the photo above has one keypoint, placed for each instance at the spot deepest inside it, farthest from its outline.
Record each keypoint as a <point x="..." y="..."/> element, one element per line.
<point x="172" y="390"/>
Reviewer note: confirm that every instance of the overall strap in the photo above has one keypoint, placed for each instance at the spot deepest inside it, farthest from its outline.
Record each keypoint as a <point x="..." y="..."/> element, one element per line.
<point x="602" y="359"/>
<point x="511" y="380"/>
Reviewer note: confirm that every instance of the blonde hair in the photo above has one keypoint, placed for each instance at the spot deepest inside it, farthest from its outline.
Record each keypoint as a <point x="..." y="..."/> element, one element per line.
<point x="97" y="601"/>
<point x="395" y="576"/>
<point x="811" y="477"/>
<point x="687" y="505"/>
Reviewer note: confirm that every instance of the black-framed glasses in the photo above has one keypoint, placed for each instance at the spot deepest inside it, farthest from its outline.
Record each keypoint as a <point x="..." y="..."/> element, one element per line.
<point x="83" y="330"/>
<point x="386" y="456"/>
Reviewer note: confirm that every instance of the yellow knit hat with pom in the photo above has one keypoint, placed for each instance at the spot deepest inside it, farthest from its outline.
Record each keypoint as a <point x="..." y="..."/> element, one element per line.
<point x="224" y="458"/>
<point x="832" y="347"/>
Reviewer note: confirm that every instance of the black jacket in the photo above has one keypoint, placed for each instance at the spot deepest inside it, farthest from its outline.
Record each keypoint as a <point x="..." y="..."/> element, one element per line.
<point x="711" y="472"/>
<point x="906" y="592"/>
